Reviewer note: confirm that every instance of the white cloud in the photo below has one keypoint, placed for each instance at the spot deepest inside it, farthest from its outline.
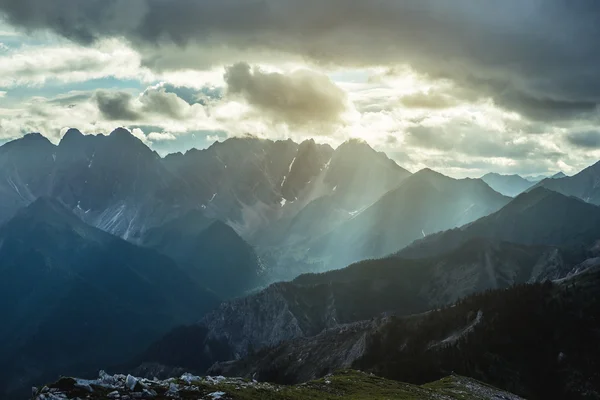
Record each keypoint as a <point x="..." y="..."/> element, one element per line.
<point x="382" y="105"/>
<point x="66" y="63"/>
<point x="160" y="136"/>
<point x="138" y="133"/>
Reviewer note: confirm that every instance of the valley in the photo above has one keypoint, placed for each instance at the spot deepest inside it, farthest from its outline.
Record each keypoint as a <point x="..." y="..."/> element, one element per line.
<point x="244" y="258"/>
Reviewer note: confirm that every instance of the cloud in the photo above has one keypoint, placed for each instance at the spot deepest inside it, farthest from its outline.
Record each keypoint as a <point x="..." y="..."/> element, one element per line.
<point x="66" y="63"/>
<point x="157" y="100"/>
<point x="428" y="100"/>
<point x="117" y="106"/>
<point x="536" y="57"/>
<point x="205" y="95"/>
<point x="300" y="98"/>
<point x="586" y="140"/>
<point x="161" y="136"/>
<point x="464" y="137"/>
<point x="154" y="102"/>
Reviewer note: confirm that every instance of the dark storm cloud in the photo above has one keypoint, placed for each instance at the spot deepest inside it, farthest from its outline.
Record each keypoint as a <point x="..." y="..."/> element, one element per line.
<point x="154" y="101"/>
<point x="116" y="106"/>
<point x="586" y="140"/>
<point x="298" y="98"/>
<point x="159" y="101"/>
<point x="537" y="57"/>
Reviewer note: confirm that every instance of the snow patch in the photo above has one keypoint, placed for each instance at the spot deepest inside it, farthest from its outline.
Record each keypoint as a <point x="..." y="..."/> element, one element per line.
<point x="289" y="171"/>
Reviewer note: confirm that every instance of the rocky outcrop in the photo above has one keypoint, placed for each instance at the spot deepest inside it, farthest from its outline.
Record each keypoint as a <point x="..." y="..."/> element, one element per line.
<point x="344" y="384"/>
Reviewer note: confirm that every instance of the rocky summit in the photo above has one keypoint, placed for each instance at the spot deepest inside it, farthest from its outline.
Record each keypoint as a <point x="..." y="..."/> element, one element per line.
<point x="342" y="385"/>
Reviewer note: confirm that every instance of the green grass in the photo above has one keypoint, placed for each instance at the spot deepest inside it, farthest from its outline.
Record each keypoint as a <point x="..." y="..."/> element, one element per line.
<point x="351" y="385"/>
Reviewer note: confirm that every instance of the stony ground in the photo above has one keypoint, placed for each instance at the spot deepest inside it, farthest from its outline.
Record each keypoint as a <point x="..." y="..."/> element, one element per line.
<point x="343" y="385"/>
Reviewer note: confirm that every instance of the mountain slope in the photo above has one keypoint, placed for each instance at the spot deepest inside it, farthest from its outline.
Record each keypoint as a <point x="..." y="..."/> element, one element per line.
<point x="116" y="183"/>
<point x="316" y="302"/>
<point x="76" y="297"/>
<point x="584" y="185"/>
<point x="210" y="251"/>
<point x="243" y="181"/>
<point x="113" y="182"/>
<point x="508" y="185"/>
<point x="538" y="217"/>
<point x="425" y="203"/>
<point x="493" y="336"/>
<point x="259" y="186"/>
<point x="25" y="172"/>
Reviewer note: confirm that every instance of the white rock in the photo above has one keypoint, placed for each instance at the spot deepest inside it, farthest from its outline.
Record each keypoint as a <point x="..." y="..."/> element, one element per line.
<point x="189" y="378"/>
<point x="173" y="390"/>
<point x="130" y="382"/>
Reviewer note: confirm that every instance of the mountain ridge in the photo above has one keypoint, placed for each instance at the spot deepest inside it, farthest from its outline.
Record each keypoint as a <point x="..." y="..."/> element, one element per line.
<point x="58" y="272"/>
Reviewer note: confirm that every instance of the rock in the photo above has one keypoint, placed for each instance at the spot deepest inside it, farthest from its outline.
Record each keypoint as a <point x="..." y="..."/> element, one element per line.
<point x="173" y="390"/>
<point x="189" y="378"/>
<point x="149" y="393"/>
<point x="131" y="382"/>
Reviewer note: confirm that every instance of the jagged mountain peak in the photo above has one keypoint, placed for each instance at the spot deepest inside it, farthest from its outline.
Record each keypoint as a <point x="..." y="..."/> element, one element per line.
<point x="430" y="173"/>
<point x="441" y="181"/>
<point x="489" y="174"/>
<point x="509" y="185"/>
<point x="122" y="132"/>
<point x="584" y="185"/>
<point x="34" y="136"/>
<point x="73" y="140"/>
<point x="355" y="147"/>
<point x="72" y="133"/>
<point x="34" y="139"/>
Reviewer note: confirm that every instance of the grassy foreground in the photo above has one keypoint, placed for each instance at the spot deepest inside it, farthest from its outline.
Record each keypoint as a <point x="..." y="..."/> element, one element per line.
<point x="342" y="385"/>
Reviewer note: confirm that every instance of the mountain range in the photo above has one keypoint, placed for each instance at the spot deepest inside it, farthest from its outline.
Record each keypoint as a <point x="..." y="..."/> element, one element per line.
<point x="493" y="336"/>
<point x="255" y="252"/>
<point x="315" y="311"/>
<point x="513" y="185"/>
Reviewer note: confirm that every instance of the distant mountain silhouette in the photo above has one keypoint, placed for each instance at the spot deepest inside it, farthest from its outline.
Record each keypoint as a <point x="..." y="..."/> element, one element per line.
<point x="538" y="217"/>
<point x="425" y="203"/>
<point x="508" y="185"/>
<point x="585" y="184"/>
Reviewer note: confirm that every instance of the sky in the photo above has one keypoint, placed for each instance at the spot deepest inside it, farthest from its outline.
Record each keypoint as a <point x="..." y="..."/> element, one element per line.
<point x="464" y="87"/>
